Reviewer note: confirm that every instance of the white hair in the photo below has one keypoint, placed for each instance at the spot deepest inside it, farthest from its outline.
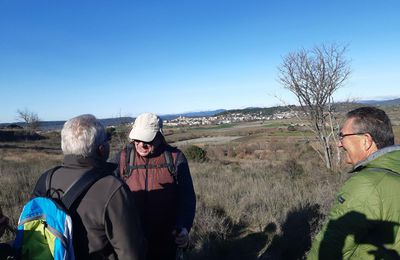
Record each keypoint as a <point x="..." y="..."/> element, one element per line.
<point x="82" y="135"/>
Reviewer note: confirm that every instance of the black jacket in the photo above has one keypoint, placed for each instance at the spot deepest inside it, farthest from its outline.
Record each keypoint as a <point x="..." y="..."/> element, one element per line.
<point x="105" y="220"/>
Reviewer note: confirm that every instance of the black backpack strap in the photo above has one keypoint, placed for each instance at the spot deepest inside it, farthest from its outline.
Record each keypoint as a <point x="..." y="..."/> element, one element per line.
<point x="171" y="165"/>
<point x="141" y="166"/>
<point x="130" y="163"/>
<point x="77" y="188"/>
<point x="80" y="186"/>
<point x="129" y="159"/>
<point x="49" y="176"/>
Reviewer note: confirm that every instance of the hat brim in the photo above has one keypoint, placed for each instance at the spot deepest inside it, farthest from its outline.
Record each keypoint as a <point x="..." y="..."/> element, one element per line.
<point x="142" y="134"/>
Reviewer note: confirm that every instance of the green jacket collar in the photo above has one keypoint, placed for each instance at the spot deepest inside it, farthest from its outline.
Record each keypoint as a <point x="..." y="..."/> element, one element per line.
<point x="379" y="159"/>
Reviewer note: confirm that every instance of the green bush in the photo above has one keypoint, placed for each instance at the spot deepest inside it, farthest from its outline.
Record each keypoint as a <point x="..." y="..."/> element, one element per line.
<point x="291" y="128"/>
<point x="195" y="153"/>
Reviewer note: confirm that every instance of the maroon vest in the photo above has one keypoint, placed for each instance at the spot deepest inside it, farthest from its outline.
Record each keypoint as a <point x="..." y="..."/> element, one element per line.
<point x="154" y="189"/>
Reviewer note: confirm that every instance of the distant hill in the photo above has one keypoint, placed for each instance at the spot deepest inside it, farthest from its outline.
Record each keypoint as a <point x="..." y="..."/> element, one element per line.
<point x="260" y="110"/>
<point x="57" y="125"/>
<point x="390" y="102"/>
<point x="116" y="121"/>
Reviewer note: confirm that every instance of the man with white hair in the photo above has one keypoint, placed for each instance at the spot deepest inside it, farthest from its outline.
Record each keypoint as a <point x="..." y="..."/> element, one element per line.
<point x="159" y="178"/>
<point x="105" y="221"/>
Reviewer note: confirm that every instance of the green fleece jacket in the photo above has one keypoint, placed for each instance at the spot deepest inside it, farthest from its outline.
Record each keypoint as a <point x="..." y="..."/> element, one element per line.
<point x="364" y="220"/>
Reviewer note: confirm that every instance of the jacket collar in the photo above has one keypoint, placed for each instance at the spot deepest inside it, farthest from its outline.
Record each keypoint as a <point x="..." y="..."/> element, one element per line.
<point x="374" y="156"/>
<point x="78" y="161"/>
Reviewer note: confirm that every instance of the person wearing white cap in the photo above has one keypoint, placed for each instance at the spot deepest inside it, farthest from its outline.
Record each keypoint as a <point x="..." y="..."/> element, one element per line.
<point x="159" y="178"/>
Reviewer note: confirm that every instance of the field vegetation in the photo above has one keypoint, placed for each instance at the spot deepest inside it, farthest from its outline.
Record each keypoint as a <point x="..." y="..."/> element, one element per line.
<point x="262" y="195"/>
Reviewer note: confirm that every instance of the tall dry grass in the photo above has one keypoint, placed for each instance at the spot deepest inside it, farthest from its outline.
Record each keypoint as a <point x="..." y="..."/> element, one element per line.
<point x="255" y="200"/>
<point x="21" y="163"/>
<point x="245" y="208"/>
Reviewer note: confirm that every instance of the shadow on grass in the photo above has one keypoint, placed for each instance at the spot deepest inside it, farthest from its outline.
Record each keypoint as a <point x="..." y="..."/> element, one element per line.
<point x="295" y="238"/>
<point x="238" y="243"/>
<point x="292" y="243"/>
<point x="378" y="233"/>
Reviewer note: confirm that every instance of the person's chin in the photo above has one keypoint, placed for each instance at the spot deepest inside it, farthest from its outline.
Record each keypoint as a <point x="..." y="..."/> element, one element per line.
<point x="143" y="154"/>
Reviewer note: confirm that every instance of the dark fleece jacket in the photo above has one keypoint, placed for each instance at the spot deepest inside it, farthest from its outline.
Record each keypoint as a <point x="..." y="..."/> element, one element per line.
<point x="105" y="221"/>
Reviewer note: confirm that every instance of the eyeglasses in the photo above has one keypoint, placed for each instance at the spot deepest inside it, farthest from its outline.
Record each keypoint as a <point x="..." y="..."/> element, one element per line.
<point x="341" y="136"/>
<point x="145" y="144"/>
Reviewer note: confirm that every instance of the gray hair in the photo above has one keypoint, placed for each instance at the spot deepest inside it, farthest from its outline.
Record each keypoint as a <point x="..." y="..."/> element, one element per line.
<point x="82" y="135"/>
<point x="374" y="121"/>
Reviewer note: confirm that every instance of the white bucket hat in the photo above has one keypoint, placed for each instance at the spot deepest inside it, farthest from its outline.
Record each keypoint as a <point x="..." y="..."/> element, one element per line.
<point x="146" y="127"/>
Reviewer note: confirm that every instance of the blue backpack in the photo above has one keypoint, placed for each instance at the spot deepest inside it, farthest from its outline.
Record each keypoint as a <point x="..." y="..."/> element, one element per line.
<point x="45" y="226"/>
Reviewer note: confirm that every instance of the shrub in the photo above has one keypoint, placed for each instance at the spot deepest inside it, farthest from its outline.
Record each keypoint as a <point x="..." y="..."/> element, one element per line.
<point x="19" y="135"/>
<point x="195" y="153"/>
<point x="291" y="128"/>
<point x="292" y="168"/>
<point x="215" y="152"/>
<point x="110" y="131"/>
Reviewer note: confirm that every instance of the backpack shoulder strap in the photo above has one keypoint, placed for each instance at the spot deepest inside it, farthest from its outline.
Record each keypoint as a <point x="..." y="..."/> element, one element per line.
<point x="130" y="162"/>
<point x="49" y="176"/>
<point x="129" y="159"/>
<point x="169" y="159"/>
<point x="79" y="186"/>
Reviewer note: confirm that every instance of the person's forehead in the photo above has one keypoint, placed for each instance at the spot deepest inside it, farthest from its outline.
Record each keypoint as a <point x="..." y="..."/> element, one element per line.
<point x="348" y="123"/>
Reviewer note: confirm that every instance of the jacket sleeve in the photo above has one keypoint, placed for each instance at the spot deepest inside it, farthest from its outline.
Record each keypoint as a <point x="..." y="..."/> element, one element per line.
<point x="348" y="221"/>
<point x="122" y="225"/>
<point x="186" y="194"/>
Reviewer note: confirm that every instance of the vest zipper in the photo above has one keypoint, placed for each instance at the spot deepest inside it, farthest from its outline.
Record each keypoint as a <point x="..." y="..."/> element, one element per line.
<point x="147" y="174"/>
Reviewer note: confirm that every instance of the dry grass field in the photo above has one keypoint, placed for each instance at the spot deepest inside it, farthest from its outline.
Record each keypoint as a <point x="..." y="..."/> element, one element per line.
<point x="262" y="193"/>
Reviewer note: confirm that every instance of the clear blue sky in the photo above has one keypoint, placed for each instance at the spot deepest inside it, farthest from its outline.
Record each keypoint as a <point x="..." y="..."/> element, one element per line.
<point x="60" y="59"/>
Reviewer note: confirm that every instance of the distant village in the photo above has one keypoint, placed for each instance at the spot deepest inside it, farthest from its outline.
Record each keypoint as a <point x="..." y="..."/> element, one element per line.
<point x="228" y="118"/>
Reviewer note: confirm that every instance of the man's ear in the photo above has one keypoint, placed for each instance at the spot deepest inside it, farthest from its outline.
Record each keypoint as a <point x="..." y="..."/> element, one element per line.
<point x="369" y="142"/>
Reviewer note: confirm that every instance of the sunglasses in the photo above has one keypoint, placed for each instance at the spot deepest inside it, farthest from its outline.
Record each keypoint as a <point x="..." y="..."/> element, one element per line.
<point x="145" y="144"/>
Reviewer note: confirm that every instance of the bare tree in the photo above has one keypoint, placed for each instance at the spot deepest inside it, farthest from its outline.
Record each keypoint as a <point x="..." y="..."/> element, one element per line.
<point x="30" y="118"/>
<point x="313" y="76"/>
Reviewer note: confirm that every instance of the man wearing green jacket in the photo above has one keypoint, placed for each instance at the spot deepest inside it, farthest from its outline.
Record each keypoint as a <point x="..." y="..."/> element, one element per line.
<point x="364" y="221"/>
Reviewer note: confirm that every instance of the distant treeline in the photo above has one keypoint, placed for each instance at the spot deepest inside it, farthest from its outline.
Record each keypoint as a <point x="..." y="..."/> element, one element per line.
<point x="260" y="110"/>
<point x="339" y="107"/>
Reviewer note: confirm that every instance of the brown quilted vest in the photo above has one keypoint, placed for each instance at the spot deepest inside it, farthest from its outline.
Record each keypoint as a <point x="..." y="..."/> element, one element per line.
<point x="154" y="188"/>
